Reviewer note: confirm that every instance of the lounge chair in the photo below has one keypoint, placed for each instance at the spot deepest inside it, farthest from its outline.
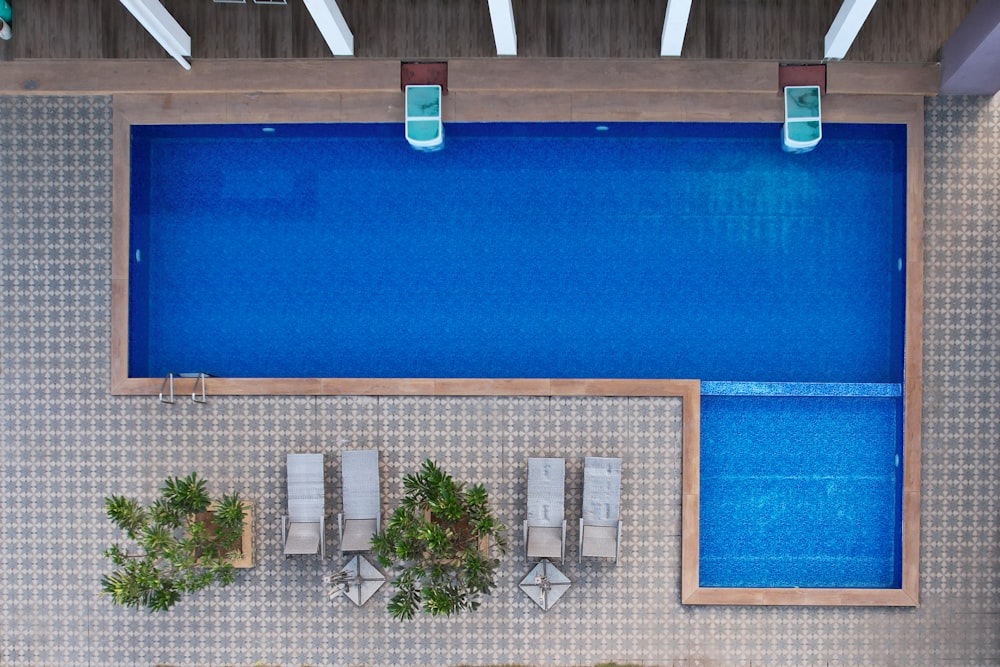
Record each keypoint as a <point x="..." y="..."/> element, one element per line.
<point x="545" y="527"/>
<point x="362" y="515"/>
<point x="424" y="129"/>
<point x="600" y="525"/>
<point x="303" y="529"/>
<point x="803" y="126"/>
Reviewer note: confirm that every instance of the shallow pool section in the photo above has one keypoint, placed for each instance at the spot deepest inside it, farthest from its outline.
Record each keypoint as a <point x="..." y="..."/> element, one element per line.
<point x="651" y="250"/>
<point x="801" y="490"/>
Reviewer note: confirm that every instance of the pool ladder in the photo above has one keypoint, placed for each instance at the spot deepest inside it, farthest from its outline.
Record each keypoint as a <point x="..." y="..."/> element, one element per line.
<point x="168" y="385"/>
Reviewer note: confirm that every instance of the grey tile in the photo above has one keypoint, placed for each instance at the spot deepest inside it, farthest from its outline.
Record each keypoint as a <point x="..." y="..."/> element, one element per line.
<point x="66" y="444"/>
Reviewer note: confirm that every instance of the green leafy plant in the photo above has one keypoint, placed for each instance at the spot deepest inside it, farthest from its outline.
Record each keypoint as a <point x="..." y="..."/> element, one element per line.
<point x="182" y="543"/>
<point x="440" y="543"/>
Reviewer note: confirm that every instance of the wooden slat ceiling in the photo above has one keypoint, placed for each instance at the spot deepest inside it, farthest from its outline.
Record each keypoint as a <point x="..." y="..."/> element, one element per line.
<point x="902" y="31"/>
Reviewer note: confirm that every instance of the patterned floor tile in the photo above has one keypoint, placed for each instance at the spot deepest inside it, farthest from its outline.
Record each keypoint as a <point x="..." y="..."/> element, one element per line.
<point x="65" y="444"/>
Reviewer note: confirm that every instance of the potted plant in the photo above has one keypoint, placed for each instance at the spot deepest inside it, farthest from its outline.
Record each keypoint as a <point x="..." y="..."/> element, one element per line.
<point x="440" y="543"/>
<point x="183" y="542"/>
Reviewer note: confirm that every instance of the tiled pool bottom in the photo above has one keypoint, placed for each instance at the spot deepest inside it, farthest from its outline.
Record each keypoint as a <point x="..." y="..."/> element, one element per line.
<point x="801" y="486"/>
<point x="522" y="250"/>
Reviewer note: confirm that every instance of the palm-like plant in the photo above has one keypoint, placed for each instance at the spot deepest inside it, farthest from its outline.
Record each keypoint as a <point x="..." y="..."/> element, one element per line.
<point x="182" y="545"/>
<point x="440" y="543"/>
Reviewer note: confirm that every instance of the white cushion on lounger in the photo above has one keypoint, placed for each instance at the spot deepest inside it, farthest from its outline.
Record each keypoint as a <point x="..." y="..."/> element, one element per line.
<point x="302" y="538"/>
<point x="358" y="534"/>
<point x="544" y="542"/>
<point x="600" y="541"/>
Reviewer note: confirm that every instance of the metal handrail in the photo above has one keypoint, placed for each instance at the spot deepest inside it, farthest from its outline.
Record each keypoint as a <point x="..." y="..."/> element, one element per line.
<point x="196" y="396"/>
<point x="169" y="379"/>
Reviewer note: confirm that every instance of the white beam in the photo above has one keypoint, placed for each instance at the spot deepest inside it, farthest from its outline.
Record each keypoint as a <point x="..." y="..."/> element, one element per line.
<point x="332" y="26"/>
<point x="502" y="16"/>
<point x="846" y="26"/>
<point x="675" y="24"/>
<point x="164" y="27"/>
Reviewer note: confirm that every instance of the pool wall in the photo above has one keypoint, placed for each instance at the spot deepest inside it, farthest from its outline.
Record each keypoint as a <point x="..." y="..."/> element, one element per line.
<point x="571" y="102"/>
<point x="138" y="304"/>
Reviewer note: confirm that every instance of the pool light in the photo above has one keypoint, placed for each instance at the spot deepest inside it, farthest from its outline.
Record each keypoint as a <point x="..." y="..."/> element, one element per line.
<point x="602" y="128"/>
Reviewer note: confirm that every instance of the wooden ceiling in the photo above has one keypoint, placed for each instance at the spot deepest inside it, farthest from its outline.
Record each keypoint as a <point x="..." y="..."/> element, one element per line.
<point x="899" y="31"/>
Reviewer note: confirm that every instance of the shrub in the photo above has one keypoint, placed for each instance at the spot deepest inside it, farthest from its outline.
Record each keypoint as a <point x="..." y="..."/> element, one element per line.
<point x="440" y="544"/>
<point x="180" y="544"/>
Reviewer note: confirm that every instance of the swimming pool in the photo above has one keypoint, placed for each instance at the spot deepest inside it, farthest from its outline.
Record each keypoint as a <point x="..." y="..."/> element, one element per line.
<point x="881" y="363"/>
<point x="520" y="251"/>
<point x="801" y="485"/>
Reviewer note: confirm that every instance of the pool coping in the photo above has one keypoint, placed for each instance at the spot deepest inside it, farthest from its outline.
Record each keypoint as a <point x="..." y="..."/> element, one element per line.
<point x="607" y="96"/>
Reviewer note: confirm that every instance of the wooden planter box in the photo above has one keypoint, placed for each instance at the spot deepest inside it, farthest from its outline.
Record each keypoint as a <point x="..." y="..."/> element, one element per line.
<point x="242" y="557"/>
<point x="485" y="543"/>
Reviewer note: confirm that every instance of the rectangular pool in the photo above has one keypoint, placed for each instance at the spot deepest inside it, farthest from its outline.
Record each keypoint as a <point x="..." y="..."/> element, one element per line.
<point x="564" y="251"/>
<point x="651" y="250"/>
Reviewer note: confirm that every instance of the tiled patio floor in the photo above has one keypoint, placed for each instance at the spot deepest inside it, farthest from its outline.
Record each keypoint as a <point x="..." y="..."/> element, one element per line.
<point x="66" y="443"/>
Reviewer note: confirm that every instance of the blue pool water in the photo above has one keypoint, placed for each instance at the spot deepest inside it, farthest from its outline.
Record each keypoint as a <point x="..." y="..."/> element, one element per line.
<point x="802" y="490"/>
<point x="521" y="250"/>
<point x="557" y="250"/>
